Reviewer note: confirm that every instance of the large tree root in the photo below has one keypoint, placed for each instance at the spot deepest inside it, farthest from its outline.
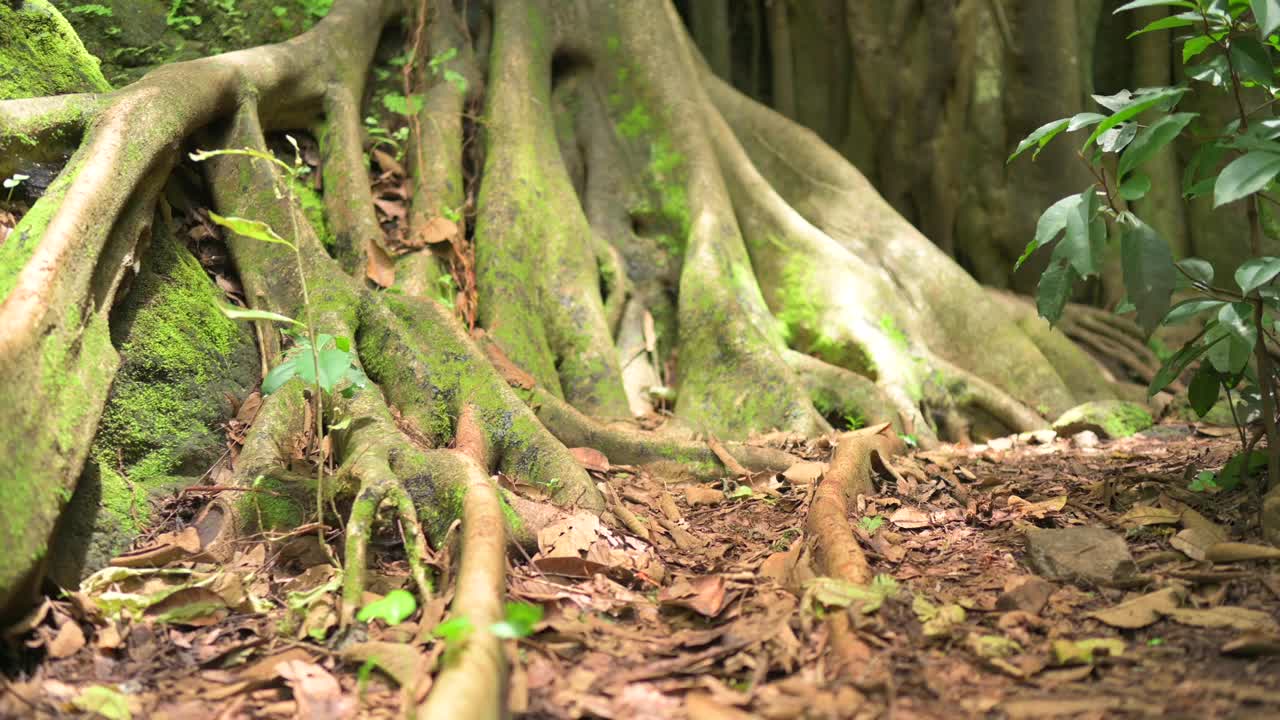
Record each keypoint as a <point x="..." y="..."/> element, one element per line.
<point x="630" y="228"/>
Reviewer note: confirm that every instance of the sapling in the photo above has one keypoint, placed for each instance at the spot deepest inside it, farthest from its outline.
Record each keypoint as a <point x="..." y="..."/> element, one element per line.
<point x="326" y="360"/>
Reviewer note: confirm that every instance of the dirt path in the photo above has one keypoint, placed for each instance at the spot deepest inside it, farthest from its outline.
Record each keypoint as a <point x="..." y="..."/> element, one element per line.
<point x="715" y="615"/>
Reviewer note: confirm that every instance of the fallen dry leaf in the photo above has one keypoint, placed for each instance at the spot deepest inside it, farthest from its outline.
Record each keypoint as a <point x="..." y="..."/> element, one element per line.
<point x="569" y="537"/>
<point x="317" y="692"/>
<point x="704" y="595"/>
<point x="590" y="459"/>
<point x="1141" y="611"/>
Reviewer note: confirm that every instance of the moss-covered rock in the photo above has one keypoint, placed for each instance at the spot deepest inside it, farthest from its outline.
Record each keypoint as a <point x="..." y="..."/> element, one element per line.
<point x="131" y="37"/>
<point x="40" y="54"/>
<point x="1107" y="418"/>
<point x="182" y="362"/>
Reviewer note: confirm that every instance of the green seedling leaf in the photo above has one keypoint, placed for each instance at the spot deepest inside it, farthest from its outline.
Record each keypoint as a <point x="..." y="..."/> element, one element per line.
<point x="1135" y="4"/>
<point x="519" y="621"/>
<point x="103" y="701"/>
<point x="1251" y="61"/>
<point x="1141" y="102"/>
<point x="1198" y="270"/>
<point x="253" y="229"/>
<point x="399" y="104"/>
<point x="1240" y="465"/>
<point x="1054" y="289"/>
<point x="1255" y="273"/>
<point x="457" y="80"/>
<point x="1040" y="137"/>
<point x="742" y="491"/>
<point x="334" y="364"/>
<point x="1203" y="391"/>
<point x="236" y="313"/>
<point x="1244" y="176"/>
<point x="15" y="180"/>
<point x="1267" y="14"/>
<point x="1179" y="361"/>
<point x="1188" y="309"/>
<point x="279" y="375"/>
<point x="871" y="524"/>
<point x="392" y="609"/>
<point x="1204" y="481"/>
<point x="1149" y="274"/>
<point x="454" y="631"/>
<point x="1151" y="140"/>
<point x="1136" y="187"/>
<point x="1235" y="324"/>
<point x="1052" y="222"/>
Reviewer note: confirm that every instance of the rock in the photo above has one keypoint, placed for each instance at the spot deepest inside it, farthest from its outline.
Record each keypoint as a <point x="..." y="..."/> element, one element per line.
<point x="1107" y="418"/>
<point x="1027" y="593"/>
<point x="1085" y="439"/>
<point x="40" y="54"/>
<point x="1079" y="554"/>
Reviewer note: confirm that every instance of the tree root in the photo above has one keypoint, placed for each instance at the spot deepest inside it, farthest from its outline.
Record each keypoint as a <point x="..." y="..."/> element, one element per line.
<point x="830" y="536"/>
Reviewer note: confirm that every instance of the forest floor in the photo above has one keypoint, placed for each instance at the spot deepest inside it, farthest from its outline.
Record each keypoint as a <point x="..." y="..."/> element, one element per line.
<point x="712" y="616"/>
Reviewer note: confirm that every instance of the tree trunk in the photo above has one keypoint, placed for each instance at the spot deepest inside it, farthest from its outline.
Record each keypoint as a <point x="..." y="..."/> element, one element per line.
<point x="624" y="220"/>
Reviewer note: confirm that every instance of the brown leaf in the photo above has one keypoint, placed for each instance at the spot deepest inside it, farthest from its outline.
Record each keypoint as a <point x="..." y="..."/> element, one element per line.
<point x="1236" y="618"/>
<point x="1225" y="552"/>
<point x="805" y="473"/>
<point x="1040" y="509"/>
<point x="590" y="459"/>
<point x="704" y="595"/>
<point x="1141" y="611"/>
<point x="1143" y="515"/>
<point x="249" y="408"/>
<point x="436" y="230"/>
<point x="317" y="692"/>
<point x="381" y="269"/>
<point x="167" y="548"/>
<point x="570" y="567"/>
<point x="569" y="537"/>
<point x="68" y="641"/>
<point x="393" y="209"/>
<point x="387" y="163"/>
<point x="698" y="495"/>
<point x="193" y="606"/>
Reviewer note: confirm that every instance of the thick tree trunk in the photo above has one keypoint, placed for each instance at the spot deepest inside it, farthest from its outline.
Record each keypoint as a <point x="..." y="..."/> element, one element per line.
<point x="635" y="222"/>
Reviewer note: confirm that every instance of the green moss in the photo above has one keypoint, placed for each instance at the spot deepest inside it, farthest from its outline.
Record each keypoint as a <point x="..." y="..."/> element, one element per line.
<point x="1110" y="418"/>
<point x="270" y="504"/>
<point x="799" y="313"/>
<point x="313" y="209"/>
<point x="40" y="54"/>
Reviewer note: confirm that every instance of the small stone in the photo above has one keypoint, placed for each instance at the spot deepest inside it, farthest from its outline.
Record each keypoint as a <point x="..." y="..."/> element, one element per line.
<point x="1107" y="418"/>
<point x="1000" y="443"/>
<point x="1027" y="593"/>
<point x="1043" y="437"/>
<point x="1079" y="554"/>
<point x="1085" y="439"/>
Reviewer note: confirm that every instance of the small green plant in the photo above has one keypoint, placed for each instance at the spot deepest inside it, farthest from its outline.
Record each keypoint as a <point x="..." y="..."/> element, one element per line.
<point x="909" y="440"/>
<point x="871" y="523"/>
<point x="393" y="608"/>
<point x="1227" y="46"/>
<point x="178" y="21"/>
<point x="853" y="420"/>
<point x="451" y="76"/>
<point x="519" y="621"/>
<point x="316" y="9"/>
<point x="91" y="9"/>
<point x="1204" y="481"/>
<point x="380" y="136"/>
<point x="319" y="360"/>
<point x="11" y="183"/>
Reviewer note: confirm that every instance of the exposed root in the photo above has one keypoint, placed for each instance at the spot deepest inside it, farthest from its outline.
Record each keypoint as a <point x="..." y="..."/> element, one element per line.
<point x="831" y="536"/>
<point x="473" y="685"/>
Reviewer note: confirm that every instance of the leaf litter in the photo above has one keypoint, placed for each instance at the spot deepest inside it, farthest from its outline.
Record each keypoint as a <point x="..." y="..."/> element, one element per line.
<point x="715" y="611"/>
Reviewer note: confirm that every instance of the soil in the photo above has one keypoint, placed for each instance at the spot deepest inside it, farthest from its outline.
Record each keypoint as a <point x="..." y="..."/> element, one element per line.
<point x="712" y="616"/>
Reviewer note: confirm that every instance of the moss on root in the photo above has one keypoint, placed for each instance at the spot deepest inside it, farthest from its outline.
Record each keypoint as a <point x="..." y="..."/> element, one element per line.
<point x="1112" y="418"/>
<point x="181" y="359"/>
<point x="40" y="54"/>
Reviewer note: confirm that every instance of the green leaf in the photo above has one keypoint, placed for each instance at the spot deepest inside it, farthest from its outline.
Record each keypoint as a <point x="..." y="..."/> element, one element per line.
<point x="1203" y="482"/>
<point x="1083" y="120"/>
<point x="1082" y="245"/>
<point x="1054" y="289"/>
<point x="1118" y="137"/>
<point x="519" y="621"/>
<point x="236" y="313"/>
<point x="279" y="375"/>
<point x="253" y="229"/>
<point x="342" y="343"/>
<point x="1203" y="391"/>
<point x="1240" y="465"/>
<point x="1199" y="270"/>
<point x="103" y="701"/>
<point x="1178" y="362"/>
<point x="1135" y="4"/>
<point x="1166" y="23"/>
<point x="394" y="608"/>
<point x="401" y="105"/>
<point x="454" y="630"/>
<point x="333" y="367"/>
<point x="1151" y="140"/>
<point x="1267" y="15"/>
<point x="1040" y="137"/>
<point x="1052" y="221"/>
<point x="1235" y="325"/>
<point x="1149" y="274"/>
<point x="1244" y="176"/>
<point x="1256" y="272"/>
<point x="1203" y="161"/>
<point x="457" y="80"/>
<point x="1196" y="45"/>
<point x="1141" y="102"/>
<point x="1252" y="61"/>
<point x="1136" y="187"/>
<point x="1188" y="309"/>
